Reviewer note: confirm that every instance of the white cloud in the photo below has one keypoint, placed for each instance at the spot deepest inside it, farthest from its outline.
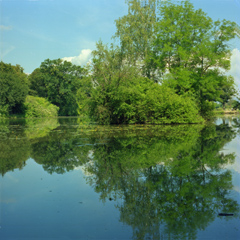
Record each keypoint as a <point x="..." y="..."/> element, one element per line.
<point x="81" y="59"/>
<point x="235" y="66"/>
<point x="2" y="27"/>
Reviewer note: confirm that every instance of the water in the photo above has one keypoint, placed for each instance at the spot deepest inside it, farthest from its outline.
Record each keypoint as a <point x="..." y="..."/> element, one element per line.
<point x="66" y="179"/>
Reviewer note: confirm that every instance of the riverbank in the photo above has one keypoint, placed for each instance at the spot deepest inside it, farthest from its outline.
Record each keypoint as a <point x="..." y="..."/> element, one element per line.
<point x="226" y="112"/>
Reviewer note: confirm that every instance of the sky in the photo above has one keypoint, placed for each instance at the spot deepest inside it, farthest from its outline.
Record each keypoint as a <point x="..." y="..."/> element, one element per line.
<point x="34" y="30"/>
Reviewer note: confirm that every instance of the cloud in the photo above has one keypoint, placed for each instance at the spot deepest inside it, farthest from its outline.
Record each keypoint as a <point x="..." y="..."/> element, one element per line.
<point x="81" y="59"/>
<point x="6" y="28"/>
<point x="235" y="66"/>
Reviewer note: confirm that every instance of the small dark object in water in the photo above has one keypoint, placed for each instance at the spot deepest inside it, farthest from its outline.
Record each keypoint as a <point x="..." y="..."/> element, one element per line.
<point x="110" y="199"/>
<point x="225" y="214"/>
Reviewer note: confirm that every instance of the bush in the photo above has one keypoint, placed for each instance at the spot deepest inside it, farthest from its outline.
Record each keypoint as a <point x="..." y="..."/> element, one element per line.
<point x="142" y="101"/>
<point x="207" y="108"/>
<point x="3" y="111"/>
<point x="37" y="107"/>
<point x="165" y="106"/>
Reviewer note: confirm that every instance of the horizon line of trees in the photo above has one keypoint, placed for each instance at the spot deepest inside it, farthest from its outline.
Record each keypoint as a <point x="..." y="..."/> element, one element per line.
<point x="169" y="65"/>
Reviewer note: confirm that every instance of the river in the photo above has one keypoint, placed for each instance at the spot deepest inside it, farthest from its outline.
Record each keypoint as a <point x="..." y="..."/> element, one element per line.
<point x="67" y="179"/>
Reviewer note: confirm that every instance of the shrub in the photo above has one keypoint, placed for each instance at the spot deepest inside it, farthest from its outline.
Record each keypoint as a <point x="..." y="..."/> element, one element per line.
<point x="165" y="106"/>
<point x="4" y="111"/>
<point x="37" y="107"/>
<point x="142" y="101"/>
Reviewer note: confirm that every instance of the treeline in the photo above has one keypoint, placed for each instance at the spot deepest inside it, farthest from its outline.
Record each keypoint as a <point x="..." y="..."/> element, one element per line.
<point x="168" y="65"/>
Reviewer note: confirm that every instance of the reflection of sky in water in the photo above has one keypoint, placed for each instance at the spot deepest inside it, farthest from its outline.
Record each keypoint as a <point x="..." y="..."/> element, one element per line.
<point x="233" y="146"/>
<point x="217" y="230"/>
<point x="36" y="204"/>
<point x="54" y="207"/>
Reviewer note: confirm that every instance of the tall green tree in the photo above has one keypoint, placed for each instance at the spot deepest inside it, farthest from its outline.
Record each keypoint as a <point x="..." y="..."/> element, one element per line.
<point x="110" y="77"/>
<point x="120" y="94"/>
<point x="13" y="88"/>
<point x="58" y="81"/>
<point x="135" y="32"/>
<point x="179" y="46"/>
<point x="194" y="50"/>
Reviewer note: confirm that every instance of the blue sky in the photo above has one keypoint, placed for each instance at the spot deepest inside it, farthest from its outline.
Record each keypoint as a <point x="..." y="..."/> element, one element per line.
<point x="34" y="30"/>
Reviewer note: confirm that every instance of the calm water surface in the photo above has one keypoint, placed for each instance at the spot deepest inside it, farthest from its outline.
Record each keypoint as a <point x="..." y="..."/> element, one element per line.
<point x="65" y="179"/>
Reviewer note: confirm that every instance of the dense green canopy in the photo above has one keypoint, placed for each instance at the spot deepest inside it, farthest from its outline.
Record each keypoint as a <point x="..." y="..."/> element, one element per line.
<point x="169" y="65"/>
<point x="180" y="47"/>
<point x="58" y="81"/>
<point x="13" y="88"/>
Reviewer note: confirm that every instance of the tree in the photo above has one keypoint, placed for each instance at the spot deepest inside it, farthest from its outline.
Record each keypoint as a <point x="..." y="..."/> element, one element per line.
<point x="135" y="32"/>
<point x="13" y="88"/>
<point x="179" y="46"/>
<point x="110" y="75"/>
<point x="228" y="90"/>
<point x="194" y="50"/>
<point x="58" y="81"/>
<point x="120" y="94"/>
<point x="236" y="104"/>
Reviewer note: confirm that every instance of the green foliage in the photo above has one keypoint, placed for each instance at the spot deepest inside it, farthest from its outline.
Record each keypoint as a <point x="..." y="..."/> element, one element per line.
<point x="136" y="34"/>
<point x="83" y="96"/>
<point x="165" y="106"/>
<point x="58" y="81"/>
<point x="236" y="103"/>
<point x="180" y="47"/>
<point x="13" y="88"/>
<point x="170" y="66"/>
<point x="121" y="95"/>
<point x="228" y="90"/>
<point x="194" y="54"/>
<point x="4" y="111"/>
<point x="37" y="107"/>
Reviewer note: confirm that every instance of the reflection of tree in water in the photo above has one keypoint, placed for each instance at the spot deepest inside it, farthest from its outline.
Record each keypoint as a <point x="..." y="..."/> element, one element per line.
<point x="59" y="153"/>
<point x="36" y="128"/>
<point x="14" y="147"/>
<point x="13" y="154"/>
<point x="181" y="194"/>
<point x="236" y="124"/>
<point x="171" y="178"/>
<point x="16" y="137"/>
